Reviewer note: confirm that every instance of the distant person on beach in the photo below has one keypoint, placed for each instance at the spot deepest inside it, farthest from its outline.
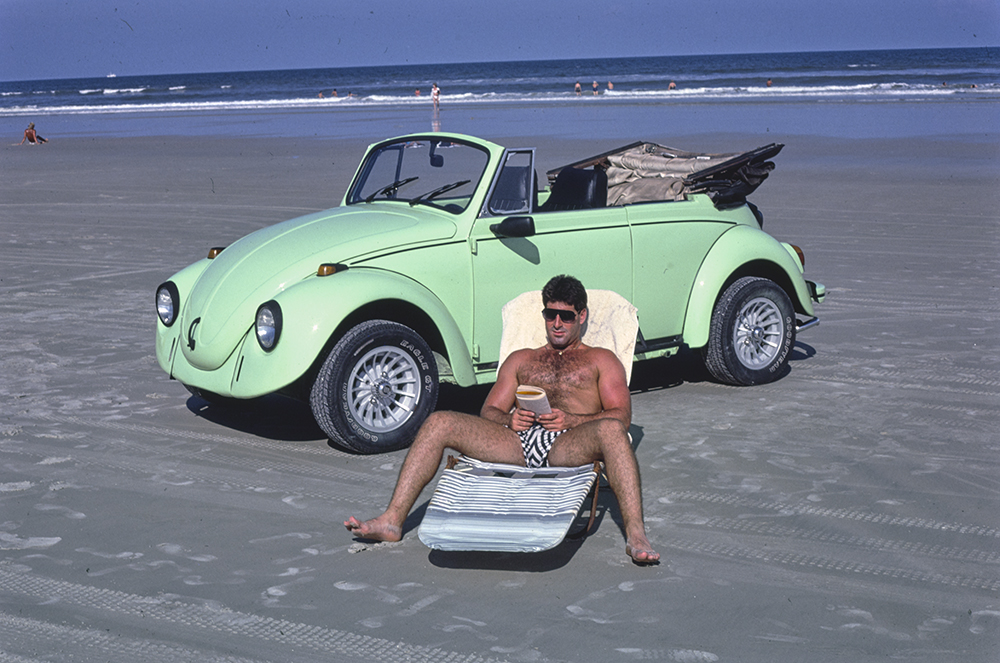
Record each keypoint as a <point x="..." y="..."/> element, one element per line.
<point x="596" y="91"/>
<point x="611" y="86"/>
<point x="416" y="93"/>
<point x="32" y="136"/>
<point x="672" y="86"/>
<point x="769" y="82"/>
<point x="591" y="414"/>
<point x="577" y="88"/>
<point x="334" y="93"/>
<point x="436" y="95"/>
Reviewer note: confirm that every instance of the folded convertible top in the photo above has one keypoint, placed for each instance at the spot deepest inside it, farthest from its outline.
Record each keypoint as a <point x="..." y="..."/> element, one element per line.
<point x="646" y="172"/>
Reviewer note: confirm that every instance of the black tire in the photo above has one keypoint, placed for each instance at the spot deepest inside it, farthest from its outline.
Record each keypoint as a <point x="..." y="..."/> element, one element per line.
<point x="752" y="333"/>
<point x="375" y="388"/>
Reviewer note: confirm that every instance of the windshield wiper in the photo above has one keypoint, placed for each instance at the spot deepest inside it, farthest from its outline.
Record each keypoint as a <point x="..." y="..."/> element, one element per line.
<point x="430" y="195"/>
<point x="390" y="188"/>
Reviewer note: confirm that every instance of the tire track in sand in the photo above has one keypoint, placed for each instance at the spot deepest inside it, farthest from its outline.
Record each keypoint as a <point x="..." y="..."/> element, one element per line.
<point x="280" y="635"/>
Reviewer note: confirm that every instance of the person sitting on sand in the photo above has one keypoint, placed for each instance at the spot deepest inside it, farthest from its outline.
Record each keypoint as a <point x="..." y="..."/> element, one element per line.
<point x="591" y="413"/>
<point x="32" y="136"/>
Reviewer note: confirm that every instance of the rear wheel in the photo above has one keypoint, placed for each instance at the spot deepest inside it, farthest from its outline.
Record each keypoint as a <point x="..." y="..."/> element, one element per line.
<point x="376" y="387"/>
<point x="752" y="333"/>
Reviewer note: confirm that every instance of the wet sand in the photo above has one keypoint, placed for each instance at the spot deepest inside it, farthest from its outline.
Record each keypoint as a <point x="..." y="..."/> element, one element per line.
<point x="848" y="512"/>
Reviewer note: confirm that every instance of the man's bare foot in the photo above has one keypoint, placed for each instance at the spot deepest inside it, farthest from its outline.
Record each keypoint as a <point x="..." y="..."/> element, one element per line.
<point x="374" y="529"/>
<point x="641" y="551"/>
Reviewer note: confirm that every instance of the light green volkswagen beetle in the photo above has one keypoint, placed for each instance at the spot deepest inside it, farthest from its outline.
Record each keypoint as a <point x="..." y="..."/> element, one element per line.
<point x="365" y="308"/>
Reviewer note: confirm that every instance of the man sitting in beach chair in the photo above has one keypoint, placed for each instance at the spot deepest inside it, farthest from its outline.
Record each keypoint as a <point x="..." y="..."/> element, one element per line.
<point x="591" y="411"/>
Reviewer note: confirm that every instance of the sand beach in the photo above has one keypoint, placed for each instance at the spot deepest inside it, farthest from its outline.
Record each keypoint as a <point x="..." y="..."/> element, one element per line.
<point x="848" y="512"/>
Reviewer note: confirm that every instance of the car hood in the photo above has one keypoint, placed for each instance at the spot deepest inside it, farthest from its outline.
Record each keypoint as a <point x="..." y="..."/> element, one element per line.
<point x="253" y="270"/>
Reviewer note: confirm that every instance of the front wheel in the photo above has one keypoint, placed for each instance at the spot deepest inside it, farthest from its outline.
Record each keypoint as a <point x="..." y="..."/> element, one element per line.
<point x="375" y="388"/>
<point x="752" y="333"/>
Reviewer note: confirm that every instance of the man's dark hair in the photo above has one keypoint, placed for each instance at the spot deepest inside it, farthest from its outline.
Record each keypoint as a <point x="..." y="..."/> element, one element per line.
<point x="565" y="289"/>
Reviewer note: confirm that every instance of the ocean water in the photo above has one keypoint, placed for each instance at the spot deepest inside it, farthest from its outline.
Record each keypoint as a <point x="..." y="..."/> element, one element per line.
<point x="842" y="93"/>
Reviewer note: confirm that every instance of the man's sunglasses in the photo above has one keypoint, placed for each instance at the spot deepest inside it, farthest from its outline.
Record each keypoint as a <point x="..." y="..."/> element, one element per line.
<point x="551" y="313"/>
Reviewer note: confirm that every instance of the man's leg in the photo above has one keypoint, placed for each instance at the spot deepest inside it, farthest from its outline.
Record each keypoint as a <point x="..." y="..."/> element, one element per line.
<point x="466" y="434"/>
<point x="607" y="440"/>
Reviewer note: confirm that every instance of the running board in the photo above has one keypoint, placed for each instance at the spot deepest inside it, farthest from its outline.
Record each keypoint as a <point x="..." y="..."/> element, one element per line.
<point x="643" y="346"/>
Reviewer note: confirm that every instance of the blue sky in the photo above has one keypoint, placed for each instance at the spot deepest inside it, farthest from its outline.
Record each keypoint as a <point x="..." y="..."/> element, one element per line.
<point x="76" y="38"/>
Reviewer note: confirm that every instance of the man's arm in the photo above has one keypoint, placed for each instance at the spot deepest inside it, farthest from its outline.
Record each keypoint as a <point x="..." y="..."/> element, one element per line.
<point x="501" y="399"/>
<point x="612" y="387"/>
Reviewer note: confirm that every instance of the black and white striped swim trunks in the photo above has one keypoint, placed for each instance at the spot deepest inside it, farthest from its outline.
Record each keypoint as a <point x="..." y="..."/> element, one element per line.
<point x="536" y="443"/>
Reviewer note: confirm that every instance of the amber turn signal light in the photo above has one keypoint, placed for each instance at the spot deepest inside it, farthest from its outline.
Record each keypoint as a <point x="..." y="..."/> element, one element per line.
<point x="214" y="251"/>
<point x="329" y="269"/>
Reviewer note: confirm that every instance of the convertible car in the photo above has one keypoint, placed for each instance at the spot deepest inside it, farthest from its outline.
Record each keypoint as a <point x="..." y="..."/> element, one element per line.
<point x="365" y="308"/>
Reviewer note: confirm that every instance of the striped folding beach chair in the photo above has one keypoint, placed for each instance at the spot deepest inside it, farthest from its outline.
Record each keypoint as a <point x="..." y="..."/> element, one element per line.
<point x="509" y="508"/>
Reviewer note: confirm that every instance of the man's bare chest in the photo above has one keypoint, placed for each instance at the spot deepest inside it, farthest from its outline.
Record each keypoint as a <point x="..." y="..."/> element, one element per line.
<point x="563" y="377"/>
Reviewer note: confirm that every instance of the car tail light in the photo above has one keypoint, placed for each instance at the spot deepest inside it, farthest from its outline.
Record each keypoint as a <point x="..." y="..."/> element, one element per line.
<point x="801" y="255"/>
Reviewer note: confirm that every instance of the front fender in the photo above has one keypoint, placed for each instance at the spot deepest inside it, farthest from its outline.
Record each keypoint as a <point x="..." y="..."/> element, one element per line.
<point x="741" y="251"/>
<point x="167" y="337"/>
<point x="313" y="309"/>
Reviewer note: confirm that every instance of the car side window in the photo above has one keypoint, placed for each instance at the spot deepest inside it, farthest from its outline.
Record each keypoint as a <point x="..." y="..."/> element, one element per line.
<point x="514" y="190"/>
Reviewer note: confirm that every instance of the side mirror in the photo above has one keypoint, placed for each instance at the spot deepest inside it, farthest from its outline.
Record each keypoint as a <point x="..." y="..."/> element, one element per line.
<point x="514" y="226"/>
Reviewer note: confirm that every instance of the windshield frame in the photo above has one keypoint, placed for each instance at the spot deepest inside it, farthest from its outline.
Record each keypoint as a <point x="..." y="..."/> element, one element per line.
<point x="391" y="161"/>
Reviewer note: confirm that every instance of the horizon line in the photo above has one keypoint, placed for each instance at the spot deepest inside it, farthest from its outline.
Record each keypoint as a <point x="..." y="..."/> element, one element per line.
<point x="476" y="62"/>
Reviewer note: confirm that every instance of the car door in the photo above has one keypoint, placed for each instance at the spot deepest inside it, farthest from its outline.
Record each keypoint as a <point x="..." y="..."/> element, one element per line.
<point x="594" y="245"/>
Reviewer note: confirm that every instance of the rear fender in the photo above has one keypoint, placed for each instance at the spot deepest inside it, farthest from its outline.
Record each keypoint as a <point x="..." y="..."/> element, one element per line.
<point x="741" y="251"/>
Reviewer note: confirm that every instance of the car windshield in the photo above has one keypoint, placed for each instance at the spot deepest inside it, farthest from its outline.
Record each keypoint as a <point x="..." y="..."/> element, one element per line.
<point x="439" y="173"/>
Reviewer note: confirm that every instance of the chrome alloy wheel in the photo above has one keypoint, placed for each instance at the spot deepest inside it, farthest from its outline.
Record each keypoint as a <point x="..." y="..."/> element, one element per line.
<point x="384" y="388"/>
<point x="758" y="334"/>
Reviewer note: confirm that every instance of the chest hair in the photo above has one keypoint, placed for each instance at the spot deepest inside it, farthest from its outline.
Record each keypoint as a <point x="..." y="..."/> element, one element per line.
<point x="561" y="376"/>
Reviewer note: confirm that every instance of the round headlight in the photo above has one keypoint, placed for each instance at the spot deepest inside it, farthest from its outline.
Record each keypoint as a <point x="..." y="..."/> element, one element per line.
<point x="268" y="325"/>
<point x="168" y="303"/>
